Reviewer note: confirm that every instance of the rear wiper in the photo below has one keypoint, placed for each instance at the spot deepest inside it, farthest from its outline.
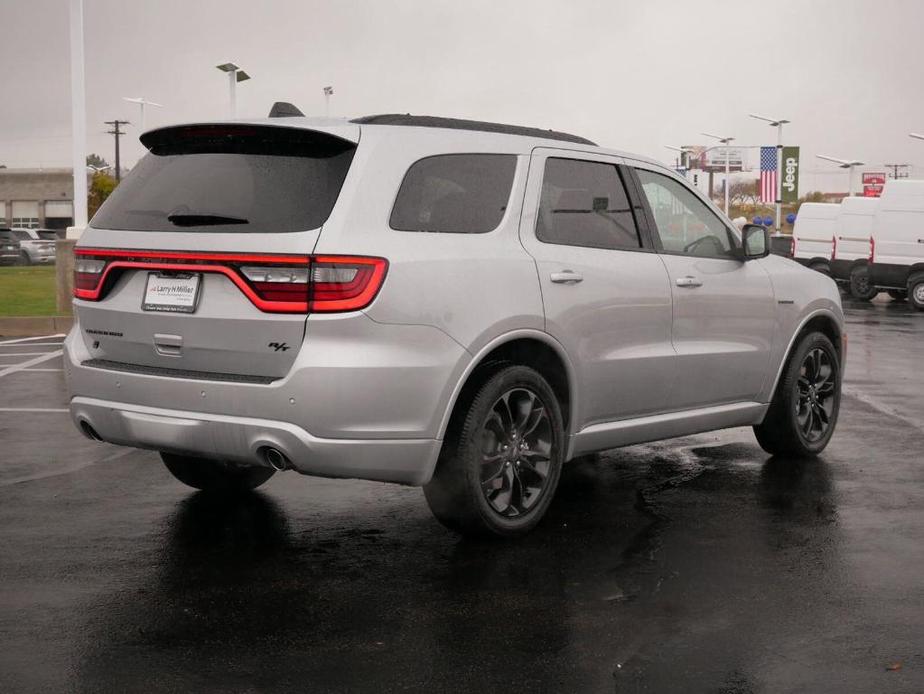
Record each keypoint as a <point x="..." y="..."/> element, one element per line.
<point x="202" y="220"/>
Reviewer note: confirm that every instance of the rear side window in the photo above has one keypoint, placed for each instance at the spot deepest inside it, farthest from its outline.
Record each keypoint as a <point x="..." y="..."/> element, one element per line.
<point x="455" y="193"/>
<point x="584" y="203"/>
<point x="249" y="179"/>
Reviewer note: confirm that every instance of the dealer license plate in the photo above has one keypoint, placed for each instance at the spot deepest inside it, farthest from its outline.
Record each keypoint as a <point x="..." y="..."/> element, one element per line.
<point x="177" y="293"/>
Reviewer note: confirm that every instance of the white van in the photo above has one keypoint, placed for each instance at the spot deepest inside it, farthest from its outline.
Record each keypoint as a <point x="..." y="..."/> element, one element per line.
<point x="813" y="235"/>
<point x="897" y="245"/>
<point x="851" y="246"/>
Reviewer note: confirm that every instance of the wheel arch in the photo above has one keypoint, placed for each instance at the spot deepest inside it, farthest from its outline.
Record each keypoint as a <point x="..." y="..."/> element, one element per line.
<point x="532" y="348"/>
<point x="823" y="321"/>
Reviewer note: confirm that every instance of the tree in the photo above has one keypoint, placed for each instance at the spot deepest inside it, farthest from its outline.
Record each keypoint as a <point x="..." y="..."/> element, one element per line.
<point x="101" y="186"/>
<point x="96" y="161"/>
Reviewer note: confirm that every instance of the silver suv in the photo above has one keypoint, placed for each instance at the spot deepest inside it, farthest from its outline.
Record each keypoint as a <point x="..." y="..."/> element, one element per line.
<point x="454" y="304"/>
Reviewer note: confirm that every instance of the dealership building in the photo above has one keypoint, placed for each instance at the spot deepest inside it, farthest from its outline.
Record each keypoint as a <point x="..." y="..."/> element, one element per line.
<point x="36" y="198"/>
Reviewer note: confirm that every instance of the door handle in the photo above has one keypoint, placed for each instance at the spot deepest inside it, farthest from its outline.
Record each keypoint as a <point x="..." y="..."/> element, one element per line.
<point x="566" y="277"/>
<point x="689" y="281"/>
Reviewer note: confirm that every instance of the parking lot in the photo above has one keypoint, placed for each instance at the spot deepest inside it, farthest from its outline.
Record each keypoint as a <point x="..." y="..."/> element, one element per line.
<point x="698" y="561"/>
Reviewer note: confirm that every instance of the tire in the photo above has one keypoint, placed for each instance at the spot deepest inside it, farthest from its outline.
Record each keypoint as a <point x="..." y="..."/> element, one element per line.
<point x="24" y="259"/>
<point x="502" y="457"/>
<point x="215" y="476"/>
<point x="898" y="294"/>
<point x="916" y="291"/>
<point x="823" y="268"/>
<point x="861" y="288"/>
<point x="806" y="389"/>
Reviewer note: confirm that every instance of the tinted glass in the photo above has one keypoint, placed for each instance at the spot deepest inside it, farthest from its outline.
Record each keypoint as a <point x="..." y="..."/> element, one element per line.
<point x="584" y="203"/>
<point x="22" y="234"/>
<point x="685" y="224"/>
<point x="48" y="235"/>
<point x="246" y="179"/>
<point x="455" y="193"/>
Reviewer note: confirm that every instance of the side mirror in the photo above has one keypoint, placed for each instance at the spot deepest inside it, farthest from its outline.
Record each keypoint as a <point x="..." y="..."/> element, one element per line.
<point x="755" y="241"/>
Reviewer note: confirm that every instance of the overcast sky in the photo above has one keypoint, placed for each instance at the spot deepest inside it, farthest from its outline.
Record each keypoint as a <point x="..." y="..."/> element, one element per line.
<point x="629" y="74"/>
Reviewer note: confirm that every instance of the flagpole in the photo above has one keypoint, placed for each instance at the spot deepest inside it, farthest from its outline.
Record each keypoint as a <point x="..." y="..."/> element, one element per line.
<point x="779" y="174"/>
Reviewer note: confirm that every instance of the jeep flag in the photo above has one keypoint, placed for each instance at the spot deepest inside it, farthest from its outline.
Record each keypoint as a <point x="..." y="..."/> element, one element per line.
<point x="790" y="174"/>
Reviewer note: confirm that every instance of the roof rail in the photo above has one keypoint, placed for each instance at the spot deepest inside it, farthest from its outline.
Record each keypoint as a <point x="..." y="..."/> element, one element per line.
<point x="460" y="124"/>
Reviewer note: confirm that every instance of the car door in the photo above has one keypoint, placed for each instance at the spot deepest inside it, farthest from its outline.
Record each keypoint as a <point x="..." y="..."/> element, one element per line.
<point x="724" y="316"/>
<point x="605" y="291"/>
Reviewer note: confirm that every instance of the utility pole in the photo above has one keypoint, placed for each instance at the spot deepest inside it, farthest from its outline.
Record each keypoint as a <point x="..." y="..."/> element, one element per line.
<point x="896" y="167"/>
<point x="118" y="133"/>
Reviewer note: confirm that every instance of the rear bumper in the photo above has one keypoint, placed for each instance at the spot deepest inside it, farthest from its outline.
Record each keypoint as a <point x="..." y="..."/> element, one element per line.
<point x="244" y="440"/>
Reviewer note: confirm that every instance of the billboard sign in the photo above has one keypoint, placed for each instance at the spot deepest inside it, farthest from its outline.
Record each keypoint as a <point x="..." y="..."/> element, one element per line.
<point x="713" y="158"/>
<point x="874" y="179"/>
<point x="789" y="181"/>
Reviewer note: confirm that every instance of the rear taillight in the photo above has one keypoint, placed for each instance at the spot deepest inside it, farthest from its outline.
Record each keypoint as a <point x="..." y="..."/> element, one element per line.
<point x="87" y="274"/>
<point x="872" y="249"/>
<point x="273" y="283"/>
<point x="342" y="283"/>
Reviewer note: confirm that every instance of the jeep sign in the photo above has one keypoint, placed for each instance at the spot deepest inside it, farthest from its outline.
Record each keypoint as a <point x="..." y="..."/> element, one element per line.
<point x="789" y="183"/>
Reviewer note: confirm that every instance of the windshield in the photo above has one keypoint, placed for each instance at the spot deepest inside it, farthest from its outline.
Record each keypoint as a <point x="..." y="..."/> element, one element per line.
<point x="244" y="179"/>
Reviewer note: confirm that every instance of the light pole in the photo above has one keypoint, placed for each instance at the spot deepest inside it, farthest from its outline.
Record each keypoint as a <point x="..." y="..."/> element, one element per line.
<point x="235" y="75"/>
<point x="778" y="124"/>
<point x="328" y="93"/>
<point x="849" y="164"/>
<point x="78" y="121"/>
<point x="724" y="141"/>
<point x="142" y="102"/>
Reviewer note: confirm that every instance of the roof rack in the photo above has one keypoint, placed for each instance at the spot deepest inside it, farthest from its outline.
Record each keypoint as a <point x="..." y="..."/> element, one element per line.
<point x="460" y="124"/>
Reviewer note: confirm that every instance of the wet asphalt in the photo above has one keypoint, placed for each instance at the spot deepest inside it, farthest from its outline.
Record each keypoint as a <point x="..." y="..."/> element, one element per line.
<point x="694" y="565"/>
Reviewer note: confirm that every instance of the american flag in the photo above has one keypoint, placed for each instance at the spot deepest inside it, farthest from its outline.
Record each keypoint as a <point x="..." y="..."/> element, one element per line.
<point x="768" y="174"/>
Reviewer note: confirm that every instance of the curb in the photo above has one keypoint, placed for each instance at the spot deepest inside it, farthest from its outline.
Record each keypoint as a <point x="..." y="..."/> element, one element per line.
<point x="27" y="326"/>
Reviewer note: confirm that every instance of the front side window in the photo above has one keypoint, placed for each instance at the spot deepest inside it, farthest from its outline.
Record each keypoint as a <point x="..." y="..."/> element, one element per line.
<point x="685" y="224"/>
<point x="584" y="203"/>
<point x="455" y="193"/>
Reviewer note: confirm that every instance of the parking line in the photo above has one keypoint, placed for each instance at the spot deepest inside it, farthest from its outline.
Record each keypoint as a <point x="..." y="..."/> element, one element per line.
<point x="30" y="362"/>
<point x="27" y="339"/>
<point x="21" y="354"/>
<point x="33" y="344"/>
<point x="34" y="409"/>
<point x="40" y="369"/>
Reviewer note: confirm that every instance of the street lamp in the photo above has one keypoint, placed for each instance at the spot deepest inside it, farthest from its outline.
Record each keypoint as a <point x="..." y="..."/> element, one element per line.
<point x="778" y="124"/>
<point x="142" y="102"/>
<point x="328" y="93"/>
<point x="850" y="164"/>
<point x="916" y="136"/>
<point x="724" y="141"/>
<point x="235" y="75"/>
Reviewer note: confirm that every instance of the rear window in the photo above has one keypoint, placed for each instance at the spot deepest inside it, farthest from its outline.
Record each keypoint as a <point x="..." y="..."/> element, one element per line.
<point x="250" y="179"/>
<point x="22" y="234"/>
<point x="455" y="193"/>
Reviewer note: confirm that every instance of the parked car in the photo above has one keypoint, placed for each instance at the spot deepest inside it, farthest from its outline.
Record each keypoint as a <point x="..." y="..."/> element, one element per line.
<point x="9" y="247"/>
<point x="813" y="235"/>
<point x="454" y="304"/>
<point x="34" y="250"/>
<point x="897" y="243"/>
<point x="850" y="256"/>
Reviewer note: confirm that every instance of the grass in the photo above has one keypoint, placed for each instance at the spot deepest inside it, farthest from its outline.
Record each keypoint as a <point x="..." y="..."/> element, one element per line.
<point x="27" y="291"/>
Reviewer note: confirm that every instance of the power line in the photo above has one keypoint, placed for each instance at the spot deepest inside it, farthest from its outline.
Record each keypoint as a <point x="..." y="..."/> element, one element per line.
<point x="896" y="167"/>
<point x="118" y="133"/>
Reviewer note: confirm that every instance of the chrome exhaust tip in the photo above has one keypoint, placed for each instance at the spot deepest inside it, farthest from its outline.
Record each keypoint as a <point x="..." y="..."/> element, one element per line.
<point x="89" y="431"/>
<point x="276" y="459"/>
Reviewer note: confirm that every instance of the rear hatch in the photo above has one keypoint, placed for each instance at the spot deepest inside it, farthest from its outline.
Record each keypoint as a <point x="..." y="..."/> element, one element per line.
<point x="199" y="262"/>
